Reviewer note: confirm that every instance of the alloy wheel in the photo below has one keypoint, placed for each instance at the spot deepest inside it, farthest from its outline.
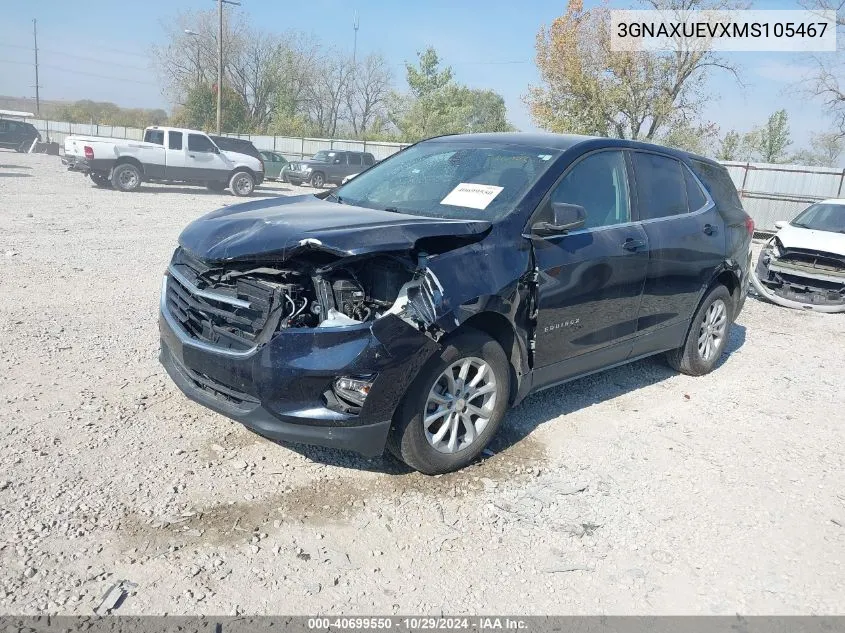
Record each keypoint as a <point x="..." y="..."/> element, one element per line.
<point x="711" y="334"/>
<point x="460" y="405"/>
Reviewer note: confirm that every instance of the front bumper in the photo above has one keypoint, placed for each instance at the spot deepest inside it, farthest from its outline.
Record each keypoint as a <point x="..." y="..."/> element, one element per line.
<point x="282" y="389"/>
<point x="796" y="286"/>
<point x="298" y="177"/>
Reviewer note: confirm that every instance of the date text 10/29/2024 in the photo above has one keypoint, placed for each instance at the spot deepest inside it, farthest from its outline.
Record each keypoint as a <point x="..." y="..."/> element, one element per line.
<point x="417" y="624"/>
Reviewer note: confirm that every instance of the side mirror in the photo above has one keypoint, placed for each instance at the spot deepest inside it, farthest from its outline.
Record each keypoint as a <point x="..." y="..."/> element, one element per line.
<point x="565" y="217"/>
<point x="780" y="224"/>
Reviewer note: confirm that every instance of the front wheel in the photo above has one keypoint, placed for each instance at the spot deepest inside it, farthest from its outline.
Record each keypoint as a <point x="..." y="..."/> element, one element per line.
<point x="707" y="337"/>
<point x="242" y="184"/>
<point x="126" y="177"/>
<point x="454" y="407"/>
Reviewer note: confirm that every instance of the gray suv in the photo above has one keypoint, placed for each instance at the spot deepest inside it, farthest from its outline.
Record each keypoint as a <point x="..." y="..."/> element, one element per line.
<point x="329" y="166"/>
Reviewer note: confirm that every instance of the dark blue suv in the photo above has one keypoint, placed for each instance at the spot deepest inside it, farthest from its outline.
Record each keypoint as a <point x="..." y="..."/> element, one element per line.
<point x="411" y="307"/>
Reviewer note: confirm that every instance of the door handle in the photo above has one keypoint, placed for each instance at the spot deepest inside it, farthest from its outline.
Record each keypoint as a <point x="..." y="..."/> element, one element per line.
<point x="632" y="245"/>
<point x="708" y="229"/>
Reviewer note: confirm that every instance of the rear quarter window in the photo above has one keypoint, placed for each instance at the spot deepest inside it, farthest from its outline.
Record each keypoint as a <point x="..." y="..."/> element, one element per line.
<point x="718" y="183"/>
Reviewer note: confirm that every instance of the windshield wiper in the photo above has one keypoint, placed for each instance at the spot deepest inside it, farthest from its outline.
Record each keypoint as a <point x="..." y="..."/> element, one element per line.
<point x="392" y="209"/>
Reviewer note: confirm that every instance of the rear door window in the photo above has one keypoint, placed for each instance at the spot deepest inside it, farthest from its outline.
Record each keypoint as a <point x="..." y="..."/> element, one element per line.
<point x="369" y="160"/>
<point x="661" y="189"/>
<point x="174" y="140"/>
<point x="354" y="159"/>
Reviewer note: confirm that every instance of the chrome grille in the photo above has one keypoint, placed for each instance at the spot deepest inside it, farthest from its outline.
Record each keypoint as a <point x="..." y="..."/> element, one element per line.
<point x="230" y="317"/>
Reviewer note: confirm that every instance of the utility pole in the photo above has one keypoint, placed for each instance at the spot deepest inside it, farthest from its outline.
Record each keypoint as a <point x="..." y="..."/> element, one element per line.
<point x="220" y="58"/>
<point x="219" y="63"/>
<point x="355" y="25"/>
<point x="37" y="94"/>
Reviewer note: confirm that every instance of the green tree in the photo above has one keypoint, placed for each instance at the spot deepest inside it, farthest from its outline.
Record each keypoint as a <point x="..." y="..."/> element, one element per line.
<point x="106" y="113"/>
<point x="426" y="78"/>
<point x="729" y="146"/>
<point x="771" y="141"/>
<point x="200" y="110"/>
<point x="588" y="87"/>
<point x="437" y="105"/>
<point x="695" y="138"/>
<point x="825" y="151"/>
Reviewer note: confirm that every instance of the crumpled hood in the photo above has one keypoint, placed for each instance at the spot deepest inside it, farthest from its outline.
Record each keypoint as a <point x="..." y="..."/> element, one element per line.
<point x="809" y="239"/>
<point x="278" y="228"/>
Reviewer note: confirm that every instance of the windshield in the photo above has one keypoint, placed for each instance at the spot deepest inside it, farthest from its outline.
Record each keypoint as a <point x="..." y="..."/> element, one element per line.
<point x="450" y="180"/>
<point x="323" y="156"/>
<point x="822" y="217"/>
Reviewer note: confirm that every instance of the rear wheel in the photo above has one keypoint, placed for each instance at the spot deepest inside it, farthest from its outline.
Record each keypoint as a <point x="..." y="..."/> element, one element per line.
<point x="454" y="407"/>
<point x="126" y="177"/>
<point x="241" y="183"/>
<point x="318" y="180"/>
<point x="707" y="336"/>
<point x="101" y="180"/>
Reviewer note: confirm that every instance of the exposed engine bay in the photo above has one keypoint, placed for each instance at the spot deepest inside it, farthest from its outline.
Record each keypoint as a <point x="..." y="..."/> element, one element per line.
<point x="800" y="278"/>
<point x="245" y="304"/>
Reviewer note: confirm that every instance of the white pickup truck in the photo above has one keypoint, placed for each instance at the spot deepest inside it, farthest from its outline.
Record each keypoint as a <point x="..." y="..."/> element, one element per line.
<point x="167" y="155"/>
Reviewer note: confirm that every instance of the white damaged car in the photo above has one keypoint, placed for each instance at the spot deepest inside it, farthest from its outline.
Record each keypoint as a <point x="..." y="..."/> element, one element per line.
<point x="803" y="265"/>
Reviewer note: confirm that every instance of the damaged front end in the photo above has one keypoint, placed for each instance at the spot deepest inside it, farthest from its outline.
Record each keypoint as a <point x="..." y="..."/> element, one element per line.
<point x="311" y="340"/>
<point x="800" y="278"/>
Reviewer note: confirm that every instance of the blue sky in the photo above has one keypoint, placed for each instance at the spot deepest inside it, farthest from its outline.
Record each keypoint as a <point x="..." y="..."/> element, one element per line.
<point x="489" y="44"/>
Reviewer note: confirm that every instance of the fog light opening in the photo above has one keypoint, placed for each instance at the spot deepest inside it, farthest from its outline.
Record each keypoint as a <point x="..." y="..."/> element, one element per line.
<point x="353" y="389"/>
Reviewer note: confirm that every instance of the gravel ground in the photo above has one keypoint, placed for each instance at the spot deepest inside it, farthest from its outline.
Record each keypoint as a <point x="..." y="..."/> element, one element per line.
<point x="637" y="490"/>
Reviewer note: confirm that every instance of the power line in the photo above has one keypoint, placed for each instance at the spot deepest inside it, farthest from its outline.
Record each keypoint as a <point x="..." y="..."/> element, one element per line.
<point x="73" y="56"/>
<point x="80" y="72"/>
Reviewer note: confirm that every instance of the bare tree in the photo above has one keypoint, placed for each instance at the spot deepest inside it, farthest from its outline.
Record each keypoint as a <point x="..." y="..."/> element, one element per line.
<point x="187" y="60"/>
<point x="368" y="93"/>
<point x="327" y="90"/>
<point x="827" y="82"/>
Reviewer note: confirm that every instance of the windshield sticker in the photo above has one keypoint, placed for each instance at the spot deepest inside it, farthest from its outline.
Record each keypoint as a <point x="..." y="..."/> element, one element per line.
<point x="472" y="195"/>
<point x="544" y="156"/>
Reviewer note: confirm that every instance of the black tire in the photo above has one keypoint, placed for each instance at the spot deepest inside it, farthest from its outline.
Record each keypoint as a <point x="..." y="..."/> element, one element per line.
<point x="126" y="177"/>
<point x="318" y="179"/>
<point x="101" y="180"/>
<point x="690" y="359"/>
<point x="408" y="439"/>
<point x="242" y="184"/>
<point x="216" y="186"/>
